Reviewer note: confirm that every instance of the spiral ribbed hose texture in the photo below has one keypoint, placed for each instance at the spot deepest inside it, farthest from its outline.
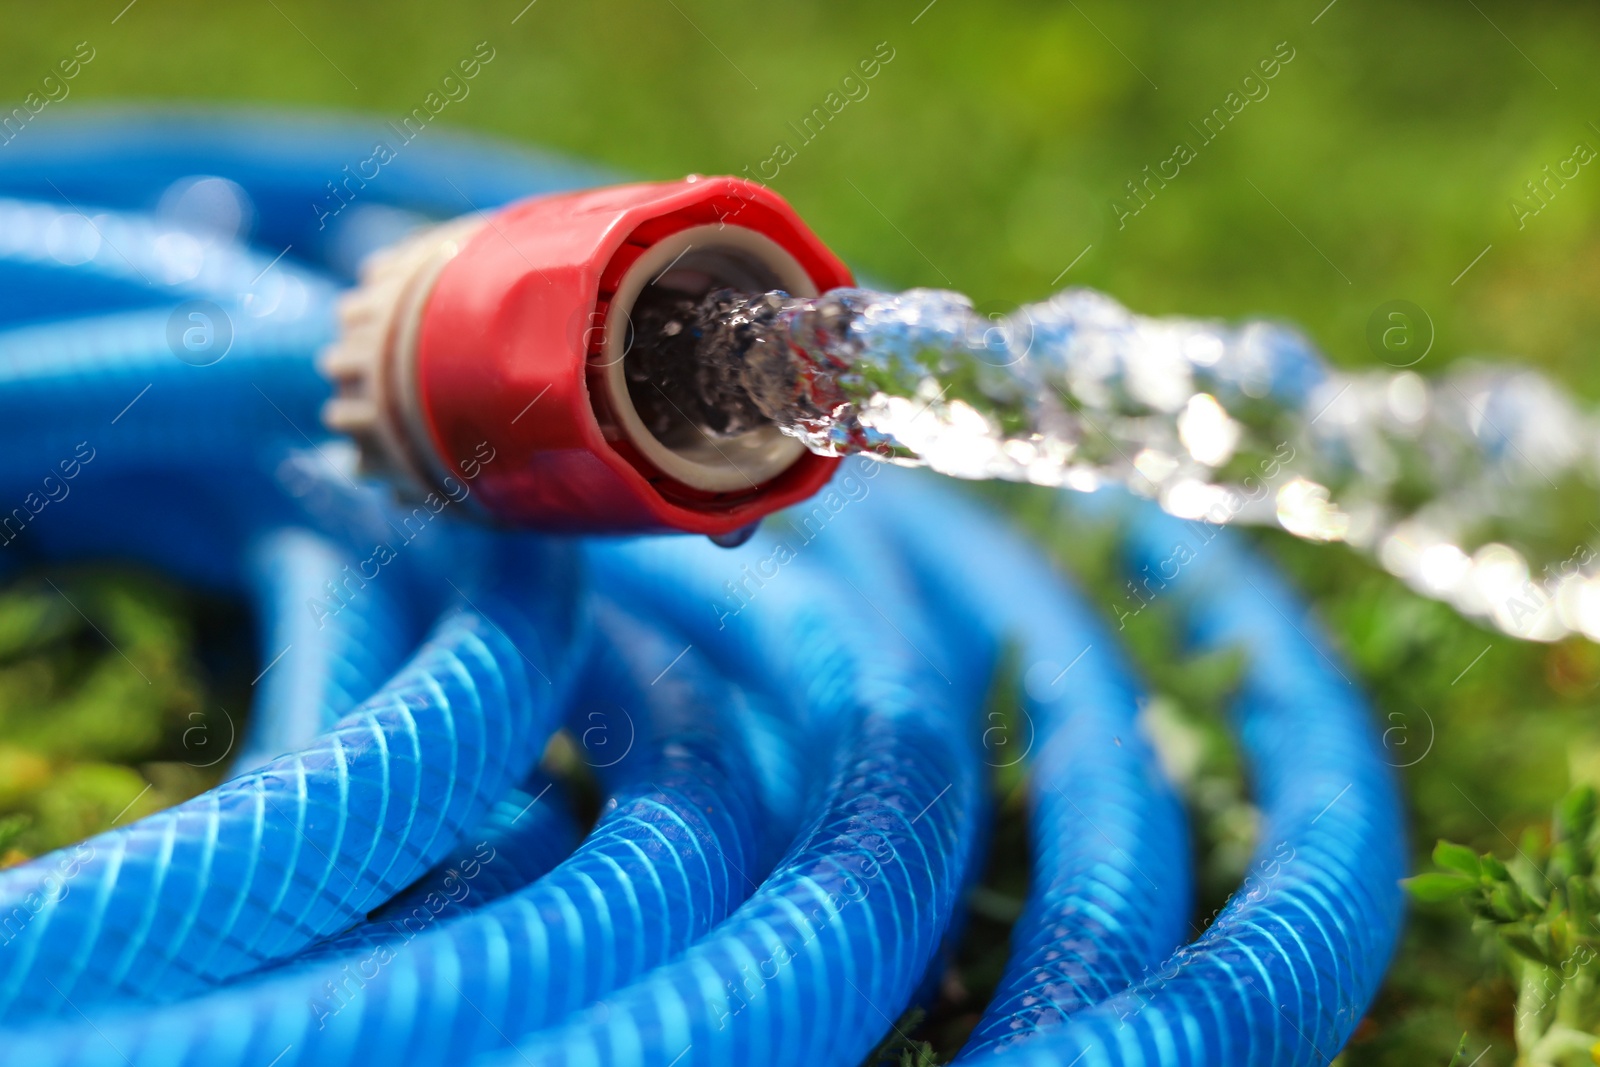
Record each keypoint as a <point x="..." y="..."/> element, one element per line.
<point x="328" y="669"/>
<point x="1112" y="890"/>
<point x="793" y="767"/>
<point x="1285" y="971"/>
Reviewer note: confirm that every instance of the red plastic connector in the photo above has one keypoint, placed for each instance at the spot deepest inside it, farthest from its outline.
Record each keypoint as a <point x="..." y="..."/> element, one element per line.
<point x="503" y="346"/>
<point x="519" y="346"/>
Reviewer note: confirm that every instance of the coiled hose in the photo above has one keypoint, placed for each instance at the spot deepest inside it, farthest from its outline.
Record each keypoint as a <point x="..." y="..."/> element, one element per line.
<point x="789" y="735"/>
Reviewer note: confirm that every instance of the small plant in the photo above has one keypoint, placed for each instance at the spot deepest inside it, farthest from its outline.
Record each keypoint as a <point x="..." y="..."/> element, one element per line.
<point x="900" y="1050"/>
<point x="1539" y="911"/>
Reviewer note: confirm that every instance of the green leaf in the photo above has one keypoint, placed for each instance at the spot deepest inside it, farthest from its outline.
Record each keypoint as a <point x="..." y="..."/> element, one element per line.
<point x="1460" y="858"/>
<point x="1530" y="880"/>
<point x="1504" y="902"/>
<point x="1564" y="861"/>
<point x="1580" y="906"/>
<point x="1434" y="888"/>
<point x="1575" y="815"/>
<point x="1524" y="943"/>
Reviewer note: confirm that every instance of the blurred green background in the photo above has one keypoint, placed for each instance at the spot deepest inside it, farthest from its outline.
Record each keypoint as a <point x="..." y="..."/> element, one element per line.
<point x="1381" y="162"/>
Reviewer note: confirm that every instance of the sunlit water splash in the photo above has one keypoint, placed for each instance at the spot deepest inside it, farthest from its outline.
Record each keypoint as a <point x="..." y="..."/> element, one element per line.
<point x="1477" y="487"/>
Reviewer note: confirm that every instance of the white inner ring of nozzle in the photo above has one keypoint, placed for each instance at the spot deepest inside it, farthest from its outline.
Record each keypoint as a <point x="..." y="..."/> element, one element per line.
<point x="693" y="262"/>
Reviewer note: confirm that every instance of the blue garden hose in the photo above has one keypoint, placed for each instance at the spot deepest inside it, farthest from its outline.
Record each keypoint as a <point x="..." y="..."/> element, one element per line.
<point x="793" y="766"/>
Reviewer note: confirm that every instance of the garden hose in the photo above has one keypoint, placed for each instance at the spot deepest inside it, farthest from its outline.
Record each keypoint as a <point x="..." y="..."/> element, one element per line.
<point x="790" y="734"/>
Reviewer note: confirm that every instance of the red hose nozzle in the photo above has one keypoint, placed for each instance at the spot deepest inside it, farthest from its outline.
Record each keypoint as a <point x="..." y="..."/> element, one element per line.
<point x="490" y="352"/>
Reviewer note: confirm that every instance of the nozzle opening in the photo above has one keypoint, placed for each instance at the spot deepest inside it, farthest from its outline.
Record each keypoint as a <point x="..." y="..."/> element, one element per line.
<point x="689" y="264"/>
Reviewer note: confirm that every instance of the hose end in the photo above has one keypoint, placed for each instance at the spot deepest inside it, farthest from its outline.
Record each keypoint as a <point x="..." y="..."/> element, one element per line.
<point x="487" y="359"/>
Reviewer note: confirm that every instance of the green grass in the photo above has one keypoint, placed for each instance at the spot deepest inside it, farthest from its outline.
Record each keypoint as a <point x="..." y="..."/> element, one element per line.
<point x="988" y="151"/>
<point x="985" y="158"/>
<point x="111" y="705"/>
